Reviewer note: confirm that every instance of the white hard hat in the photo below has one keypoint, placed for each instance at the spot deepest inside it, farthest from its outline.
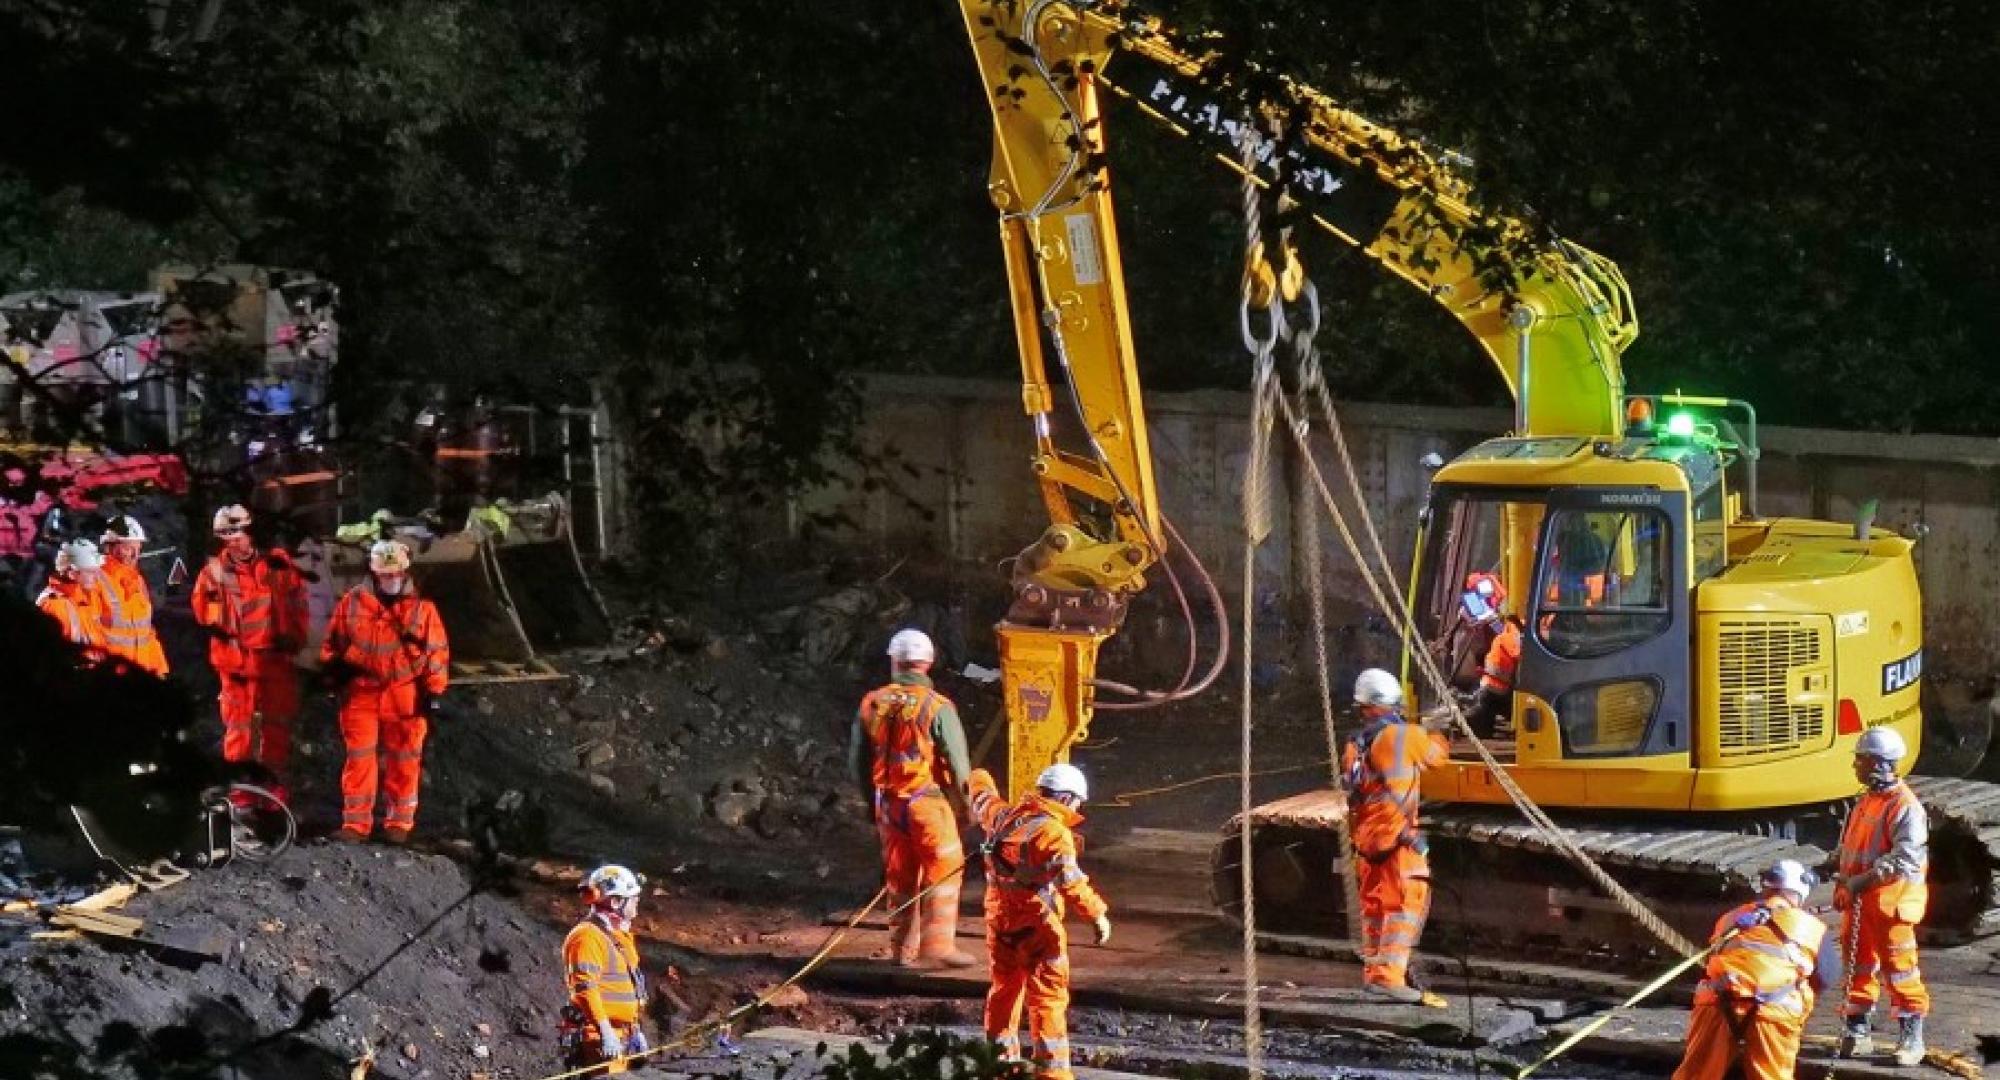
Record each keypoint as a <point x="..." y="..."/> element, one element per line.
<point x="612" y="880"/>
<point x="1789" y="875"/>
<point x="388" y="557"/>
<point x="233" y="516"/>
<point x="1064" y="779"/>
<point x="1882" y="743"/>
<point x="912" y="647"/>
<point x="78" y="555"/>
<point x="122" y="528"/>
<point x="1377" y="687"/>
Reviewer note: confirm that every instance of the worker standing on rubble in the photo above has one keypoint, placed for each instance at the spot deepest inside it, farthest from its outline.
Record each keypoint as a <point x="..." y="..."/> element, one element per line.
<point x="1382" y="764"/>
<point x="1884" y="856"/>
<point x="893" y="752"/>
<point x="74" y="599"/>
<point x="253" y="605"/>
<point x="1751" y="1007"/>
<point x="607" y="992"/>
<point x="128" y="603"/>
<point x="385" y="649"/>
<point x="1031" y="870"/>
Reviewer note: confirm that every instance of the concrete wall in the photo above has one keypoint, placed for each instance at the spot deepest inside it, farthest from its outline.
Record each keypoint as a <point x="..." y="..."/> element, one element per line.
<point x="967" y="445"/>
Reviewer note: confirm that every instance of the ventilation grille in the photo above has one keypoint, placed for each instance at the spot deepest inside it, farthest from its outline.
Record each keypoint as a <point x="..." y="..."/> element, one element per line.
<point x="1760" y="664"/>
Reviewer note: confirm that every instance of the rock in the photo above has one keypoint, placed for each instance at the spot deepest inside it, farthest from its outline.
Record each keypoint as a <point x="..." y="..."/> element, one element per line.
<point x="603" y="785"/>
<point x="747" y="781"/>
<point x="584" y="709"/>
<point x="596" y="754"/>
<point x="410" y="1051"/>
<point x="735" y="808"/>
<point x="717" y="650"/>
<point x="772" y="820"/>
<point x="484" y="705"/>
<point x="483" y="1029"/>
<point x="481" y="1052"/>
<point x="791" y="722"/>
<point x="789" y="997"/>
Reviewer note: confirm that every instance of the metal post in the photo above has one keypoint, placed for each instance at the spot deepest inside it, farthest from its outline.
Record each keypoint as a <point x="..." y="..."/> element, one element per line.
<point x="1522" y="319"/>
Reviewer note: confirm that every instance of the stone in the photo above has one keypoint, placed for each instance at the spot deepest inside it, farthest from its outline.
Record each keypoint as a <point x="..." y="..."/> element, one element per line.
<point x="735" y="808"/>
<point x="791" y="722"/>
<point x="789" y="997"/>
<point x="484" y="705"/>
<point x="596" y="754"/>
<point x="771" y="820"/>
<point x="410" y="1051"/>
<point x="603" y="785"/>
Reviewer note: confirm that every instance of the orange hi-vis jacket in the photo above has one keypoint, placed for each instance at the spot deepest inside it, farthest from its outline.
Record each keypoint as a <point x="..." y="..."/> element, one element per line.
<point x="259" y="604"/>
<point x="1383" y="764"/>
<point x="1031" y="866"/>
<point x="79" y="611"/>
<point x="1769" y="963"/>
<point x="128" y="618"/>
<point x="1870" y="835"/>
<point x="601" y="966"/>
<point x="393" y="648"/>
<point x="897" y="719"/>
<point x="1503" y="659"/>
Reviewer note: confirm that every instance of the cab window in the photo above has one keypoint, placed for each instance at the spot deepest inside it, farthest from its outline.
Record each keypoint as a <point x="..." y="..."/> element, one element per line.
<point x="1603" y="582"/>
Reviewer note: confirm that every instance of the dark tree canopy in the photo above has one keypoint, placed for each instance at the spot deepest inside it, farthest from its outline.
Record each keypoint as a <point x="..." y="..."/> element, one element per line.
<point x="519" y="198"/>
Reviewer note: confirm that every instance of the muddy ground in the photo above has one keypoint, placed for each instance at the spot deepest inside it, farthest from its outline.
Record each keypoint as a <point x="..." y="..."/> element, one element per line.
<point x="707" y="751"/>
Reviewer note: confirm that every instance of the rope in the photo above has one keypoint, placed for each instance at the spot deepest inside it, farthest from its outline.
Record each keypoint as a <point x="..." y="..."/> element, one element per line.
<point x="1651" y="988"/>
<point x="1256" y="528"/>
<point x="1124" y="799"/>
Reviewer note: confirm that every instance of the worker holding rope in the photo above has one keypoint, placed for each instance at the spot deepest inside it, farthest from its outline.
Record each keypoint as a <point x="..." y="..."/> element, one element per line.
<point x="1751" y="1006"/>
<point x="607" y="992"/>
<point x="1383" y="764"/>
<point x="1884" y="855"/>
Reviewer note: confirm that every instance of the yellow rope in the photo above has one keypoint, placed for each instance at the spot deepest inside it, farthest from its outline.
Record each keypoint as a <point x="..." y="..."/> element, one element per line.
<point x="1123" y="800"/>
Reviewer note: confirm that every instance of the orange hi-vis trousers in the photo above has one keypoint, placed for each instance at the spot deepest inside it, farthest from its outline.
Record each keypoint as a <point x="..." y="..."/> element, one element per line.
<point x="1768" y="1051"/>
<point x="921" y="848"/>
<point x="1395" y="901"/>
<point x="1885" y="950"/>
<point x="258" y="708"/>
<point x="1031" y="970"/>
<point x="374" y="731"/>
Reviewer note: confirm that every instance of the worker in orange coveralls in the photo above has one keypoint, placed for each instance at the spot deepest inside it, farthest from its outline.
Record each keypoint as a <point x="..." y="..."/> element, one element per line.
<point x="899" y="734"/>
<point x="1031" y="870"/>
<point x="253" y="605"/>
<point x="1490" y="712"/>
<point x="128" y="603"/>
<point x="1884" y="859"/>
<point x="607" y="992"/>
<point x="1382" y="765"/>
<point x="74" y="599"/>
<point x="1751" y="1007"/>
<point x="385" y="647"/>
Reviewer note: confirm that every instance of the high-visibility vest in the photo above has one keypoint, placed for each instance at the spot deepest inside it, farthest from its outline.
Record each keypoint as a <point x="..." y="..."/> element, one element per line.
<point x="898" y="719"/>
<point x="601" y="967"/>
<point x="1384" y="764"/>
<point x="260" y="603"/>
<point x="1771" y="963"/>
<point x="1031" y="865"/>
<point x="1867" y="837"/>
<point x="398" y="643"/>
<point x="1503" y="659"/>
<point x="77" y="610"/>
<point x="128" y="617"/>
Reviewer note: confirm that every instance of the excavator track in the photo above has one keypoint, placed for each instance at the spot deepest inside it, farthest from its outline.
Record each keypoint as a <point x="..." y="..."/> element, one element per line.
<point x="1501" y="886"/>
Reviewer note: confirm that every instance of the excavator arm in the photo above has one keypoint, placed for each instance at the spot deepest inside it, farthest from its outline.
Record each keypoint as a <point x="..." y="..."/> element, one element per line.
<point x="1552" y="316"/>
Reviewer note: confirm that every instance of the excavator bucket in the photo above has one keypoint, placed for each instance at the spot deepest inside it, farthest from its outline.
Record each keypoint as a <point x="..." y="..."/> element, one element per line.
<point x="509" y="588"/>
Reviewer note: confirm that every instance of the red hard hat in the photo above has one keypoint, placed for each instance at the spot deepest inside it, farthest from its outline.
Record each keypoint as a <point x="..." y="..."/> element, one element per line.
<point x="1486" y="585"/>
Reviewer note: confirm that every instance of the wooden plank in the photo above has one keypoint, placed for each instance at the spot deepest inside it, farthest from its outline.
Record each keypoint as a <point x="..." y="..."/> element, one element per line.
<point x="105" y="899"/>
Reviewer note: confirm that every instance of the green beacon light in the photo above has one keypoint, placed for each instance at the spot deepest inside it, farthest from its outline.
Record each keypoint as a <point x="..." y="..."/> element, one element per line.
<point x="1681" y="425"/>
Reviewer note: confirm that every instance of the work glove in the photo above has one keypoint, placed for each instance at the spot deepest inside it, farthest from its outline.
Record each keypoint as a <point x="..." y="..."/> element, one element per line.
<point x="1860" y="882"/>
<point x="434" y="708"/>
<point x="607" y="1036"/>
<point x="1103" y="925"/>
<point x="219" y="633"/>
<point x="1752" y="919"/>
<point x="638" y="1043"/>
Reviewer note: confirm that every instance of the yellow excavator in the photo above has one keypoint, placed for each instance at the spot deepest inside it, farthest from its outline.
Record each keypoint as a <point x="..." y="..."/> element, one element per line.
<point x="1693" y="675"/>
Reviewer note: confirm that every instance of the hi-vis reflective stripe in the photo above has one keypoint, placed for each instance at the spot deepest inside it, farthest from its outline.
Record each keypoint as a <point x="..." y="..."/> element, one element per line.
<point x="1867" y="836"/>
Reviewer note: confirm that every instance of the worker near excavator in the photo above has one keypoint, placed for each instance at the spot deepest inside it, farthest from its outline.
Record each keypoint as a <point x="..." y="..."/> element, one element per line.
<point x="253" y="605"/>
<point x="607" y="992"/>
<point x="75" y="600"/>
<point x="128" y="602"/>
<point x="1751" y="1006"/>
<point x="906" y="745"/>
<point x="386" y="651"/>
<point x="1883" y="859"/>
<point x="1382" y="765"/>
<point x="1032" y="877"/>
<point x="1490" y="709"/>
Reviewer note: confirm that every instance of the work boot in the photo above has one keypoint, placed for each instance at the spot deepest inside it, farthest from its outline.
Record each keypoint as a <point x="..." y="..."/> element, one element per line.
<point x="350" y="836"/>
<point x="1401" y="995"/>
<point x="938" y="931"/>
<point x="1910" y="1042"/>
<point x="1857" y="1041"/>
<point x="396" y="834"/>
<point x="902" y="931"/>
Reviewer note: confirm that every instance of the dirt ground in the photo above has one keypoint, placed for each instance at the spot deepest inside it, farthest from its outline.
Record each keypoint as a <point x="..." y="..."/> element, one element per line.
<point x="706" y="751"/>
